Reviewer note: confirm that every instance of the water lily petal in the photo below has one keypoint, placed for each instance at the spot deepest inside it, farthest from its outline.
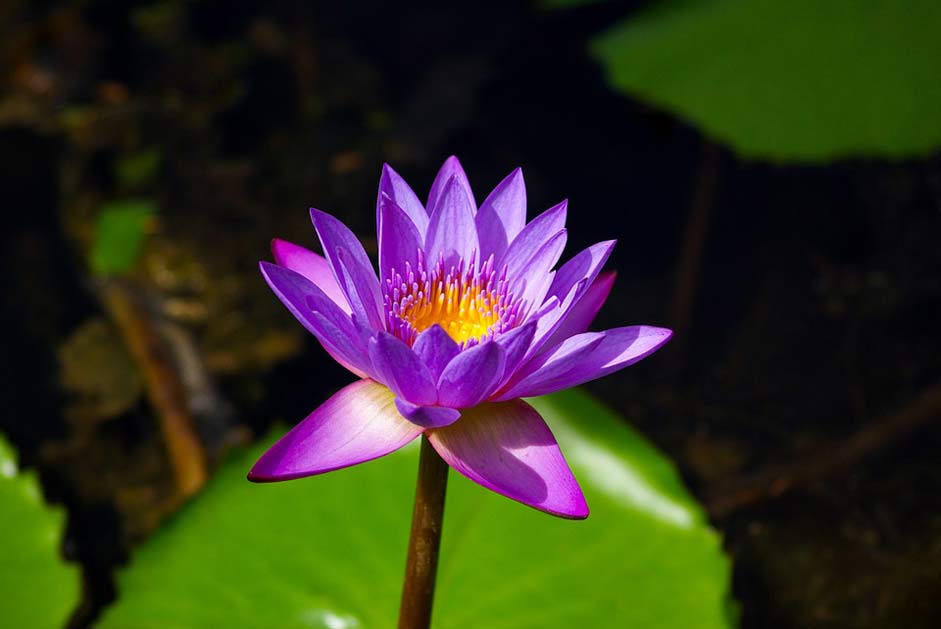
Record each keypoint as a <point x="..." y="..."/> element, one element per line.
<point x="452" y="232"/>
<point x="508" y="449"/>
<point x="550" y="317"/>
<point x="359" y="423"/>
<point x="427" y="416"/>
<point x="535" y="273"/>
<point x="471" y="375"/>
<point x="312" y="266"/>
<point x="583" y="311"/>
<point x="569" y="364"/>
<point x="515" y="344"/>
<point x="551" y="365"/>
<point x="358" y="288"/>
<point x="397" y="366"/>
<point x="392" y="185"/>
<point x="342" y="347"/>
<point x="358" y="280"/>
<point x="569" y="285"/>
<point x="435" y="348"/>
<point x="586" y="264"/>
<point x="528" y="242"/>
<point x="399" y="240"/>
<point x="338" y="334"/>
<point x="502" y="215"/>
<point x="450" y="169"/>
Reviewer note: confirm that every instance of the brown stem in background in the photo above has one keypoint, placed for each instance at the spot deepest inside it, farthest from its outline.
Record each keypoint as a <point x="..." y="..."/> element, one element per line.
<point x="775" y="481"/>
<point x="685" y="285"/>
<point x="165" y="390"/>
<point x="422" y="563"/>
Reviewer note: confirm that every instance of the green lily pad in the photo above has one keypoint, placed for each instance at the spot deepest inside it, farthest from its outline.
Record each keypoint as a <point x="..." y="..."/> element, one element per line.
<point x="37" y="588"/>
<point x="790" y="81"/>
<point x="329" y="551"/>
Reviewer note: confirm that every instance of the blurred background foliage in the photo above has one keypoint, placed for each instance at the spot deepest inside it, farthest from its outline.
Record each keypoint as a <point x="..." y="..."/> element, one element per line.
<point x="771" y="172"/>
<point x="120" y="228"/>
<point x="38" y="589"/>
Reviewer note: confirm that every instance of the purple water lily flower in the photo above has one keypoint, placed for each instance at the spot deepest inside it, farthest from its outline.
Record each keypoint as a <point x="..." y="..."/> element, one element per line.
<point x="466" y="317"/>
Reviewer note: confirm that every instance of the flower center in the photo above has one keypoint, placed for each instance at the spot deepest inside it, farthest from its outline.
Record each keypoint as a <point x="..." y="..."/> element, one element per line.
<point x="470" y="304"/>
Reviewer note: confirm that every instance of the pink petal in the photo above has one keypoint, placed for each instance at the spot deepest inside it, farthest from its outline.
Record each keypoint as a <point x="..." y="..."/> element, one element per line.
<point x="359" y="423"/>
<point x="508" y="449"/>
<point x="312" y="266"/>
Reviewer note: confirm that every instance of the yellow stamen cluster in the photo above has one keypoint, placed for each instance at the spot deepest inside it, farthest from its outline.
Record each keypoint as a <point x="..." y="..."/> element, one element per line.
<point x="465" y="311"/>
<point x="469" y="303"/>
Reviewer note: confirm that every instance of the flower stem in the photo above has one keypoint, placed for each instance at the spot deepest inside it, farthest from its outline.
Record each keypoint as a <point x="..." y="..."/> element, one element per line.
<point x="422" y="564"/>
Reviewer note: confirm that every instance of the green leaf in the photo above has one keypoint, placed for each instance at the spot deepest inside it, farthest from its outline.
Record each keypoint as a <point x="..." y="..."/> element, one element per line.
<point x="329" y="551"/>
<point x="119" y="235"/>
<point x="791" y="81"/>
<point x="37" y="589"/>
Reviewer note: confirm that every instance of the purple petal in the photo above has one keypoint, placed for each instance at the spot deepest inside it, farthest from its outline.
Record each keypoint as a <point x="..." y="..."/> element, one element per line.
<point x="535" y="272"/>
<point x="340" y="337"/>
<point x="569" y="364"/>
<point x="358" y="288"/>
<point x="398" y="367"/>
<point x="357" y="424"/>
<point x="508" y="448"/>
<point x="435" y="348"/>
<point x="392" y="185"/>
<point x="570" y="283"/>
<point x="533" y="237"/>
<point x="452" y="232"/>
<point x="358" y="280"/>
<point x="583" y="311"/>
<point x="551" y="365"/>
<point x="515" y="344"/>
<point x="399" y="240"/>
<point x="343" y="346"/>
<point x="427" y="416"/>
<point x="550" y="317"/>
<point x="471" y="376"/>
<point x="502" y="215"/>
<point x="312" y="266"/>
<point x="585" y="265"/>
<point x="450" y="169"/>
